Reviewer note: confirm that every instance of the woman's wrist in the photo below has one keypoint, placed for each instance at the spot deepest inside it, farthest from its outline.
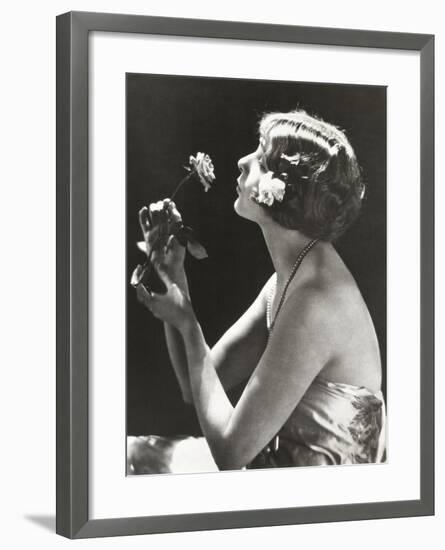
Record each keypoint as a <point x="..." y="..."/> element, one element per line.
<point x="179" y="277"/>
<point x="187" y="324"/>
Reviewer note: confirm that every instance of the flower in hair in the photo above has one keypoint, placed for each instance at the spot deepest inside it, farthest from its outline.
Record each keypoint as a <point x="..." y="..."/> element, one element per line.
<point x="294" y="166"/>
<point x="270" y="189"/>
<point x="294" y="160"/>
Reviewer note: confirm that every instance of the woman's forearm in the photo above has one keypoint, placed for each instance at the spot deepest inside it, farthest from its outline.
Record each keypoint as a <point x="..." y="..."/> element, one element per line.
<point x="175" y="345"/>
<point x="178" y="358"/>
<point x="213" y="407"/>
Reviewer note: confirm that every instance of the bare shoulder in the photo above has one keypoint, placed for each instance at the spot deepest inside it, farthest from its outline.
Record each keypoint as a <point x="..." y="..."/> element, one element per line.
<point x="317" y="307"/>
<point x="318" y="300"/>
<point x="302" y="333"/>
<point x="341" y="324"/>
<point x="328" y="298"/>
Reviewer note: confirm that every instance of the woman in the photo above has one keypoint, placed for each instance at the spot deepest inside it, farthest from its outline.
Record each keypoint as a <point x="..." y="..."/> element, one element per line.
<point x="307" y="345"/>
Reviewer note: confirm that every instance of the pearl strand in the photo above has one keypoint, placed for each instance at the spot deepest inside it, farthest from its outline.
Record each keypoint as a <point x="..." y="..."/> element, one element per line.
<point x="295" y="267"/>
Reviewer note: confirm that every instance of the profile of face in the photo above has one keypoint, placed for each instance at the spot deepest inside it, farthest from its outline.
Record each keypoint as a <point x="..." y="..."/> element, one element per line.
<point x="252" y="169"/>
<point x="309" y="168"/>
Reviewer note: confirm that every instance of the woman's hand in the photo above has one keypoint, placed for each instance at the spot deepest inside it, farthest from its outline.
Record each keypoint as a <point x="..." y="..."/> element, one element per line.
<point x="173" y="307"/>
<point x="164" y="250"/>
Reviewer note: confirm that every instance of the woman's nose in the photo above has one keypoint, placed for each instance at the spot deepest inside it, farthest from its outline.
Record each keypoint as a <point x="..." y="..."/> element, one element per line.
<point x="242" y="163"/>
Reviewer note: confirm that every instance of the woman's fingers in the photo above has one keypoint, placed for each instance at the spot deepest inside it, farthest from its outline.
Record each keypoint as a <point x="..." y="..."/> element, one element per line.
<point x="157" y="213"/>
<point x="175" y="251"/>
<point x="175" y="216"/>
<point x="153" y="235"/>
<point x="152" y="210"/>
<point x="170" y="244"/>
<point x="136" y="276"/>
<point x="158" y="221"/>
<point x="150" y="300"/>
<point x="144" y="220"/>
<point x="142" y="293"/>
<point x="144" y="296"/>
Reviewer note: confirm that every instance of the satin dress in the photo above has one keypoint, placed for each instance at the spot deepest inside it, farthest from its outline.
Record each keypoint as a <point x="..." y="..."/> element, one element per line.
<point x="332" y="424"/>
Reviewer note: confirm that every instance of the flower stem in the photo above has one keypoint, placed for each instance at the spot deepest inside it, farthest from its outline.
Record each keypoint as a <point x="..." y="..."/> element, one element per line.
<point x="181" y="183"/>
<point x="147" y="266"/>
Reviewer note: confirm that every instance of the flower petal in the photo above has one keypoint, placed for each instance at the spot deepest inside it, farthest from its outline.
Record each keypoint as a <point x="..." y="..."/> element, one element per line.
<point x="204" y="168"/>
<point x="270" y="189"/>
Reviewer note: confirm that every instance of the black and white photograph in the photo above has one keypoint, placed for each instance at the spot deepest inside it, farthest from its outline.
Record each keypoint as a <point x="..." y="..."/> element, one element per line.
<point x="225" y="216"/>
<point x="256" y="274"/>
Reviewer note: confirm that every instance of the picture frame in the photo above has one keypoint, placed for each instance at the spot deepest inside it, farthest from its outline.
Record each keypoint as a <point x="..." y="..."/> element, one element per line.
<point x="73" y="340"/>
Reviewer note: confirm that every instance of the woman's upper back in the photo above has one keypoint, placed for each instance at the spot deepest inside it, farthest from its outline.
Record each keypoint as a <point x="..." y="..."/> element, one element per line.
<point x="323" y="278"/>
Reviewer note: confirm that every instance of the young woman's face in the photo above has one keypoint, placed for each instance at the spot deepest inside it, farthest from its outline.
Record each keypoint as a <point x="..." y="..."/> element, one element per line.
<point x="252" y="168"/>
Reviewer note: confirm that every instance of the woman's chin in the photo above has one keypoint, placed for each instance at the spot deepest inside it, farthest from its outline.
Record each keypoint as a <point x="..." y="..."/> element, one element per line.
<point x="237" y="206"/>
<point x="243" y="211"/>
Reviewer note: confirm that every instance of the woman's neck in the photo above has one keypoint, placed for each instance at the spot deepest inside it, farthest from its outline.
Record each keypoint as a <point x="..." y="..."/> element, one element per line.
<point x="284" y="246"/>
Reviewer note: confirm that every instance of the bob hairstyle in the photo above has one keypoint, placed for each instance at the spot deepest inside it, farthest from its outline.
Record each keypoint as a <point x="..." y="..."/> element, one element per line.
<point x="324" y="187"/>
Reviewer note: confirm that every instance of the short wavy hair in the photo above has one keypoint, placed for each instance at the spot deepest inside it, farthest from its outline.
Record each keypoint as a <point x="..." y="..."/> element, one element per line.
<point x="324" y="185"/>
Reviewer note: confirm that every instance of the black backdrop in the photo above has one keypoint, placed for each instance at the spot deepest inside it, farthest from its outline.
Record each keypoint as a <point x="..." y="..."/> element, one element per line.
<point x="171" y="117"/>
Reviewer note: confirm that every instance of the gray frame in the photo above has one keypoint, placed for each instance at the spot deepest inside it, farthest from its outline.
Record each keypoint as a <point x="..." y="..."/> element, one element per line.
<point x="72" y="273"/>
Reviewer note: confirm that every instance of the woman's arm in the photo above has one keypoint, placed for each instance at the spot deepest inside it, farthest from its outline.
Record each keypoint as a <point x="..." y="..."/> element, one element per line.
<point x="169" y="260"/>
<point x="178" y="359"/>
<point x="238" y="351"/>
<point x="175" y="345"/>
<point x="236" y="354"/>
<point x="297" y="350"/>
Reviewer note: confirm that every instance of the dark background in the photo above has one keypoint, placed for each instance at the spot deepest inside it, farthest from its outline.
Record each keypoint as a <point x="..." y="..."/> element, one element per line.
<point x="171" y="117"/>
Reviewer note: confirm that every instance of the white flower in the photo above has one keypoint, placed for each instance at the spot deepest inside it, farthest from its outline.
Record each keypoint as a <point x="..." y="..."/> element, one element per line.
<point x="270" y="189"/>
<point x="294" y="159"/>
<point x="203" y="166"/>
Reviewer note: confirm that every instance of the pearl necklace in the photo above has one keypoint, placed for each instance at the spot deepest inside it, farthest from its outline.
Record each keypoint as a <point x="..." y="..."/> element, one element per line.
<point x="295" y="267"/>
